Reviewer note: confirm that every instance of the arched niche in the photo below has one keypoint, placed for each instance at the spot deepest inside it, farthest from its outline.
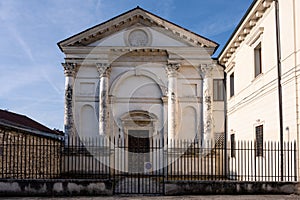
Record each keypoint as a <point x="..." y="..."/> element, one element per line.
<point x="188" y="123"/>
<point x="88" y="122"/>
<point x="133" y="73"/>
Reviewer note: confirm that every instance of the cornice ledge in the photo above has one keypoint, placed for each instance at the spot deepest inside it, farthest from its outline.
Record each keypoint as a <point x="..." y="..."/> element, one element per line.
<point x="137" y="16"/>
<point x="248" y="24"/>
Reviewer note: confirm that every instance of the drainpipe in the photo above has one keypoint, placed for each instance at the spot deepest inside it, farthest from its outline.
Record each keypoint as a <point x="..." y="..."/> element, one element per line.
<point x="225" y="126"/>
<point x="278" y="42"/>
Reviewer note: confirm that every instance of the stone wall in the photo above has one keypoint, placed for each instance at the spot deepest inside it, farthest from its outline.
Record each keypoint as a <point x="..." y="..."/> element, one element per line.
<point x="228" y="187"/>
<point x="55" y="188"/>
<point x="60" y="187"/>
<point x="28" y="156"/>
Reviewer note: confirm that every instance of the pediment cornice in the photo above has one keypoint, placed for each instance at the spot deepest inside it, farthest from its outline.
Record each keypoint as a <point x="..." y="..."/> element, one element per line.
<point x="129" y="19"/>
<point x="250" y="20"/>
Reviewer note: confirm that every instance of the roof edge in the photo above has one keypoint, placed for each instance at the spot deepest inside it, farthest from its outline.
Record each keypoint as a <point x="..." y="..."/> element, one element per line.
<point x="31" y="131"/>
<point x="213" y="43"/>
<point x="237" y="27"/>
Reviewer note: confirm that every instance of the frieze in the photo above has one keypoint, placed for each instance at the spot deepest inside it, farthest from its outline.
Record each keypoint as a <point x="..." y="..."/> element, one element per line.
<point x="69" y="93"/>
<point x="208" y="102"/>
<point x="69" y="126"/>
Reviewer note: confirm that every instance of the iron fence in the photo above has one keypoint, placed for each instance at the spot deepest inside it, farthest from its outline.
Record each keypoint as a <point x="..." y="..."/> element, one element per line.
<point x="247" y="162"/>
<point x="116" y="158"/>
<point x="86" y="158"/>
<point x="189" y="160"/>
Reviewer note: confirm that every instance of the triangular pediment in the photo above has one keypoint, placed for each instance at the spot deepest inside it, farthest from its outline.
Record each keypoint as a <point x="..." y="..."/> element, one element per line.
<point x="137" y="18"/>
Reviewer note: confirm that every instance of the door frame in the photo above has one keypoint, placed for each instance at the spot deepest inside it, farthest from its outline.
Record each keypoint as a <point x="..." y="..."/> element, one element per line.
<point x="138" y="120"/>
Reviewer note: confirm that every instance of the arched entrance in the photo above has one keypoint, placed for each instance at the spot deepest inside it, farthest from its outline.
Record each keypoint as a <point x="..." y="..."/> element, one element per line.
<point x="138" y="128"/>
<point x="141" y="153"/>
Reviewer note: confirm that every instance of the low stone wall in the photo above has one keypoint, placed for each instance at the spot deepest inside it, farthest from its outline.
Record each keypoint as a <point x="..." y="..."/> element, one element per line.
<point x="229" y="187"/>
<point x="55" y="187"/>
<point x="105" y="188"/>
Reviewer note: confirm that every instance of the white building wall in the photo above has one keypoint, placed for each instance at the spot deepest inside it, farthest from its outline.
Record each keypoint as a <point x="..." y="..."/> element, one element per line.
<point x="256" y="99"/>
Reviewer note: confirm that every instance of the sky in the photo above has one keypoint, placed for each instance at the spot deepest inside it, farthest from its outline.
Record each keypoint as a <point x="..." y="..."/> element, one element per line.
<point x="31" y="75"/>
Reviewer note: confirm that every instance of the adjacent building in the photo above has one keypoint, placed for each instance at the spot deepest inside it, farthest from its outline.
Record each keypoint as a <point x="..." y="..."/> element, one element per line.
<point x="28" y="149"/>
<point x="264" y="48"/>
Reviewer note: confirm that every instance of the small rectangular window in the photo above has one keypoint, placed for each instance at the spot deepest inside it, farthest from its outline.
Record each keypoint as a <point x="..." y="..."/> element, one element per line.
<point x="259" y="140"/>
<point x="232" y="145"/>
<point x="257" y="60"/>
<point x="218" y="90"/>
<point x="231" y="85"/>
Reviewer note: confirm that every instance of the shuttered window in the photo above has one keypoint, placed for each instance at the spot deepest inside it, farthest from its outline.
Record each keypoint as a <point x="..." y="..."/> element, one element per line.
<point x="218" y="90"/>
<point x="259" y="140"/>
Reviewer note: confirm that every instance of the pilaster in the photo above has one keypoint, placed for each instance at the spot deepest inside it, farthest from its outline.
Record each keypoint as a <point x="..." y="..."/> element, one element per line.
<point x="172" y="69"/>
<point x="104" y="70"/>
<point x="70" y="72"/>
<point x="208" y="132"/>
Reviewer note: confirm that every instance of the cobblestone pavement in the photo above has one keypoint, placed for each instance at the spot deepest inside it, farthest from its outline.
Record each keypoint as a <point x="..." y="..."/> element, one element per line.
<point x="210" y="197"/>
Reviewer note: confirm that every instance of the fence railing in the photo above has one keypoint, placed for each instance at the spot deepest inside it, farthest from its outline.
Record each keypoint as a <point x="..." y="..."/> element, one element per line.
<point x="248" y="163"/>
<point x="110" y="157"/>
<point x="87" y="158"/>
<point x="191" y="160"/>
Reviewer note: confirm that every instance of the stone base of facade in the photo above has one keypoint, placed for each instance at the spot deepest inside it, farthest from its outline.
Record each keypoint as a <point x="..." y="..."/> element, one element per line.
<point x="55" y="188"/>
<point x="105" y="188"/>
<point x="229" y="188"/>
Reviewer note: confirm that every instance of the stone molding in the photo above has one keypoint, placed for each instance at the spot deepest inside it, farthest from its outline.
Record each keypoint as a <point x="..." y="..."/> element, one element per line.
<point x="70" y="69"/>
<point x="257" y="12"/>
<point x="206" y="70"/>
<point x="172" y="69"/>
<point x="135" y="16"/>
<point x="138" y="37"/>
<point x="104" y="69"/>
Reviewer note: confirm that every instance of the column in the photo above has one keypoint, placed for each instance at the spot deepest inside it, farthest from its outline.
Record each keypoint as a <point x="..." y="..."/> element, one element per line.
<point x="208" y="132"/>
<point x="104" y="71"/>
<point x="172" y="69"/>
<point x="70" y="71"/>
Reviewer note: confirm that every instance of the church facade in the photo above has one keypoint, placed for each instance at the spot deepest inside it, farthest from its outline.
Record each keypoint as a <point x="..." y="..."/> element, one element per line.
<point x="141" y="76"/>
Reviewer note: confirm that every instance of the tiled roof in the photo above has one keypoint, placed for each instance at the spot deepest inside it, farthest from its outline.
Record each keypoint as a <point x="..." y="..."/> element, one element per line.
<point x="22" y="121"/>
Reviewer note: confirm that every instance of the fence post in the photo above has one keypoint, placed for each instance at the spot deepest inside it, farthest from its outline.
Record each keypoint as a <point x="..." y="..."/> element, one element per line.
<point x="295" y="160"/>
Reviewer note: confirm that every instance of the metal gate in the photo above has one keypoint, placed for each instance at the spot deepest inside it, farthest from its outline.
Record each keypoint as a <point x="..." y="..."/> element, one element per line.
<point x="139" y="165"/>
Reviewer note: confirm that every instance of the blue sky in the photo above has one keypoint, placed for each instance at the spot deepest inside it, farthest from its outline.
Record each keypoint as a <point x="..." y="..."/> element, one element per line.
<point x="31" y="76"/>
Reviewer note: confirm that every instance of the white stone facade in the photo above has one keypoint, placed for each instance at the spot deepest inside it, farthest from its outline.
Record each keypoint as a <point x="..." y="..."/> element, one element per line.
<point x="140" y="72"/>
<point x="255" y="99"/>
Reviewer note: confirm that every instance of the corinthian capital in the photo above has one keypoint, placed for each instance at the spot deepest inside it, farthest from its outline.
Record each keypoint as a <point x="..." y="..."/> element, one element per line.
<point x="172" y="68"/>
<point x="206" y="69"/>
<point x="104" y="69"/>
<point x="69" y="69"/>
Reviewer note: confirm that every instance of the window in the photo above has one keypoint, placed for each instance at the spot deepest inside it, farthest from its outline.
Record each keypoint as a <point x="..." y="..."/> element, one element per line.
<point x="231" y="84"/>
<point x="259" y="140"/>
<point x="218" y="90"/>
<point x="257" y="60"/>
<point x="232" y="145"/>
